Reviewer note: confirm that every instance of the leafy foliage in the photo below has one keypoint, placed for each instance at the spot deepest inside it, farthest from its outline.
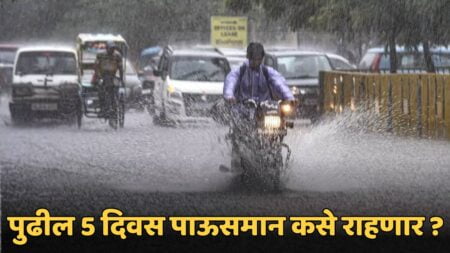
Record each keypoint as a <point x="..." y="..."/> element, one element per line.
<point x="147" y="22"/>
<point x="408" y="22"/>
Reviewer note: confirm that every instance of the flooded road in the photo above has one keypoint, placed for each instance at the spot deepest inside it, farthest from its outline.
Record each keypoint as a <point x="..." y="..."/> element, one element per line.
<point x="154" y="170"/>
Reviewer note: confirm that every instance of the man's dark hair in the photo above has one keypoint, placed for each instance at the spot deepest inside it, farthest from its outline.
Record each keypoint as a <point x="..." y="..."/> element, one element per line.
<point x="255" y="49"/>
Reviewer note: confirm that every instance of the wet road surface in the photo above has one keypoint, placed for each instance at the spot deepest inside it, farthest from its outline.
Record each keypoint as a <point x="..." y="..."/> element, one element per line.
<point x="146" y="169"/>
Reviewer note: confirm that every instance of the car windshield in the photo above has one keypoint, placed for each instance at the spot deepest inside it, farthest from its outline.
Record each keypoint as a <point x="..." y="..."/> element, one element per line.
<point x="91" y="49"/>
<point x="87" y="75"/>
<point x="340" y="64"/>
<point x="7" y="55"/>
<point x="367" y="61"/>
<point x="95" y="47"/>
<point x="302" y="66"/>
<point x="47" y="62"/>
<point x="199" y="69"/>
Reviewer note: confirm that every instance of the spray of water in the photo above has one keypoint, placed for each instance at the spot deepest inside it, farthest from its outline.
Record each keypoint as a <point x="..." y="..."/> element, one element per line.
<point x="354" y="150"/>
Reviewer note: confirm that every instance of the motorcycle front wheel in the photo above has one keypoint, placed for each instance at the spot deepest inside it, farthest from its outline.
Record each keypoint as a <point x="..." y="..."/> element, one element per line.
<point x="273" y="166"/>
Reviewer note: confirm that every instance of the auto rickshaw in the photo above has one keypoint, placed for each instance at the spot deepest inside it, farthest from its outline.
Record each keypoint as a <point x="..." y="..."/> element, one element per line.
<point x="88" y="46"/>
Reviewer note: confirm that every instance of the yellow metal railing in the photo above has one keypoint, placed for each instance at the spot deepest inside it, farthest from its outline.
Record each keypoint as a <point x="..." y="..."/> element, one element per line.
<point x="411" y="104"/>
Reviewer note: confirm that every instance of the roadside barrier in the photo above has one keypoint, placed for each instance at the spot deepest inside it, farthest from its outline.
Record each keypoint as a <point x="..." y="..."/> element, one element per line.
<point x="409" y="104"/>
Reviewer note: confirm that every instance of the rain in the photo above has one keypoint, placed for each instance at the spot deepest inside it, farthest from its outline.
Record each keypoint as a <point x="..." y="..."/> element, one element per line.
<point x="346" y="162"/>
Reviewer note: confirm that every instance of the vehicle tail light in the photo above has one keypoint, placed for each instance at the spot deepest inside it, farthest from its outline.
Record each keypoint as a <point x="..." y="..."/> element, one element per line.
<point x="376" y="63"/>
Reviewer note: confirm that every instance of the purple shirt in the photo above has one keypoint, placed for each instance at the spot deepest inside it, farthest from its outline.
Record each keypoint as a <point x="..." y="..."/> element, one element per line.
<point x="255" y="86"/>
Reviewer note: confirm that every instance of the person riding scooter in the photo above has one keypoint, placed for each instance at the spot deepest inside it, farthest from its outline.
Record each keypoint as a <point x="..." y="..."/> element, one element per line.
<point x="252" y="81"/>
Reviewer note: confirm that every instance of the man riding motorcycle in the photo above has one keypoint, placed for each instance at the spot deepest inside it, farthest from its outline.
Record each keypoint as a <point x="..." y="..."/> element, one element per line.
<point x="252" y="81"/>
<point x="106" y="67"/>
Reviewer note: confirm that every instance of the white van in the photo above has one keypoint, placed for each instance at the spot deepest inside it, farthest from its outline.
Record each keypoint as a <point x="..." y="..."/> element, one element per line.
<point x="45" y="84"/>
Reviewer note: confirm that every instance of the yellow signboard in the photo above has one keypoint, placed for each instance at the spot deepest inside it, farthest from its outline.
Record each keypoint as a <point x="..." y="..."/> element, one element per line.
<point x="229" y="31"/>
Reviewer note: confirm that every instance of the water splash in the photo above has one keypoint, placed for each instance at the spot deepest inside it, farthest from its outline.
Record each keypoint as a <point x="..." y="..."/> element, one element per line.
<point x="353" y="150"/>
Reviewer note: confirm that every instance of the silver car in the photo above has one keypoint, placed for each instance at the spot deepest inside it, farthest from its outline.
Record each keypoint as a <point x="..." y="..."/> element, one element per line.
<point x="301" y="70"/>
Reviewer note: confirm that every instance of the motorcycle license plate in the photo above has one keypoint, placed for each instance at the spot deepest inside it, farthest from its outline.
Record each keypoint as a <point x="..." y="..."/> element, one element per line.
<point x="44" y="107"/>
<point x="146" y="92"/>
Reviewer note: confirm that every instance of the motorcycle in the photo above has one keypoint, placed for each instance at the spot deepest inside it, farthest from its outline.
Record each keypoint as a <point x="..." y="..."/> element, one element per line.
<point x="257" y="131"/>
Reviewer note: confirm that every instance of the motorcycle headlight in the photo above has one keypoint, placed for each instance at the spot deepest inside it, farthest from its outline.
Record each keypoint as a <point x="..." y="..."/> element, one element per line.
<point x="272" y="121"/>
<point x="286" y="109"/>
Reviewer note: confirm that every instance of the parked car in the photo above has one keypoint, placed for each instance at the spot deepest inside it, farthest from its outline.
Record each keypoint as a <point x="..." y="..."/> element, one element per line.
<point x="7" y="56"/>
<point x="301" y="70"/>
<point x="133" y="87"/>
<point x="408" y="60"/>
<point x="46" y="84"/>
<point x="190" y="82"/>
<point x="234" y="56"/>
<point x="340" y="63"/>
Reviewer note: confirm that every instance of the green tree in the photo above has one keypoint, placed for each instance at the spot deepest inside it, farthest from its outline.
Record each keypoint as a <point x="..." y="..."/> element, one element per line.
<point x="408" y="22"/>
<point x="141" y="22"/>
<point x="428" y="26"/>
